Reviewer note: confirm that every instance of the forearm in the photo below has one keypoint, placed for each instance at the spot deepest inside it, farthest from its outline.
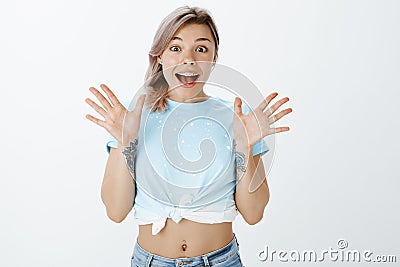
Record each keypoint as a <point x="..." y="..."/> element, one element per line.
<point x="250" y="204"/>
<point x="118" y="188"/>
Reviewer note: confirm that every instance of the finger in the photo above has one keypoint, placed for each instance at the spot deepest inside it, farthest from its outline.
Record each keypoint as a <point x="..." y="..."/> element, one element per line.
<point x="280" y="129"/>
<point x="101" y="98"/>
<point x="238" y="106"/>
<point x="114" y="100"/>
<point x="279" y="115"/>
<point x="268" y="99"/>
<point x="95" y="120"/>
<point x="96" y="107"/>
<point x="275" y="106"/>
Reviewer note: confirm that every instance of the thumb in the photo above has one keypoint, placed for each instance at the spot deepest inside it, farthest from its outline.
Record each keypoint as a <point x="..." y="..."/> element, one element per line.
<point x="238" y="106"/>
<point x="139" y="104"/>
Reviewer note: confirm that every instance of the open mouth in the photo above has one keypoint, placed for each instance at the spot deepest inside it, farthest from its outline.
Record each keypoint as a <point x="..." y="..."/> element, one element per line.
<point x="187" y="77"/>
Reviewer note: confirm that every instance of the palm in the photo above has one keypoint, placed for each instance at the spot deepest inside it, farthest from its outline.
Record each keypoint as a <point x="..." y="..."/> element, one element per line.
<point x="118" y="121"/>
<point x="255" y="125"/>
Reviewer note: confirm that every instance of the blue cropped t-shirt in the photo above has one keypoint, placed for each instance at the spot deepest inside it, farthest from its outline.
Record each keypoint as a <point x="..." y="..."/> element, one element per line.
<point x="185" y="163"/>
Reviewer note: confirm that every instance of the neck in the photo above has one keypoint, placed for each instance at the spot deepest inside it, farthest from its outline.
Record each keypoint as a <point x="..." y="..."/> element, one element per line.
<point x="199" y="98"/>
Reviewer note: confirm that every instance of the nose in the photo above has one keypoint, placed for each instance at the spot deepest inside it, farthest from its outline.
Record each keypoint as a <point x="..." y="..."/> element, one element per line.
<point x="188" y="58"/>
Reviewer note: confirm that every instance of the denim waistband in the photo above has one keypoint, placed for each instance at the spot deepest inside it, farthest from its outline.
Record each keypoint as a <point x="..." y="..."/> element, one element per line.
<point x="206" y="259"/>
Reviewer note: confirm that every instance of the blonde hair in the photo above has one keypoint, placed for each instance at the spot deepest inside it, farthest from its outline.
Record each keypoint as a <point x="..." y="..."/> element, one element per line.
<point x="155" y="83"/>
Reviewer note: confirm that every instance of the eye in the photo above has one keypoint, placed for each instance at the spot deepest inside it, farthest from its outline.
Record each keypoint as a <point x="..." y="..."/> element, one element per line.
<point x="202" y="49"/>
<point x="174" y="48"/>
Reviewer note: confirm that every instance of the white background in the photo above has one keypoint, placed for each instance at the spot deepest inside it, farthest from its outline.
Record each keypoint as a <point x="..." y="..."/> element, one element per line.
<point x="335" y="174"/>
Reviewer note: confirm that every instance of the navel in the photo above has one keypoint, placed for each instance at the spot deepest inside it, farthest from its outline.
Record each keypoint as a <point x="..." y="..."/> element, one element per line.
<point x="184" y="246"/>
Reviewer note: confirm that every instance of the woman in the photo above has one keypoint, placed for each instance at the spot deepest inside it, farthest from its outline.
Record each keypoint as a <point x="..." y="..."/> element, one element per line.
<point x="184" y="221"/>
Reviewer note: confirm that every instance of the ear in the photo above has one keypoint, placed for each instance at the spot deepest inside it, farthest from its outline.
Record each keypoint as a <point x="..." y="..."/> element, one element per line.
<point x="213" y="63"/>
<point x="159" y="60"/>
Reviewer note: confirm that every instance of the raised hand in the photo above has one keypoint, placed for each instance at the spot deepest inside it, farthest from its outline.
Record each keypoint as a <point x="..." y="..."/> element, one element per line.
<point x="118" y="121"/>
<point x="255" y="125"/>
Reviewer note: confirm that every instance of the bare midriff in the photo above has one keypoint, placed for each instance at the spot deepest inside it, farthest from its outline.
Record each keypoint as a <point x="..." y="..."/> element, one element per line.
<point x="185" y="239"/>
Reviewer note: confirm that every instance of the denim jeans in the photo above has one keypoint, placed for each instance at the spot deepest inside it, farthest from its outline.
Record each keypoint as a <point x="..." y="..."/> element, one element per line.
<point x="227" y="256"/>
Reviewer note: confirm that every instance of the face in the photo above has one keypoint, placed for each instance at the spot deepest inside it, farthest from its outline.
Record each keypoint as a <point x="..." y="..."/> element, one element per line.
<point x="187" y="61"/>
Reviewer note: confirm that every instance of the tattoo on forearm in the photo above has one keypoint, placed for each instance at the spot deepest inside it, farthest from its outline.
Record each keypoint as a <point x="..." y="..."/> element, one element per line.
<point x="130" y="155"/>
<point x="239" y="156"/>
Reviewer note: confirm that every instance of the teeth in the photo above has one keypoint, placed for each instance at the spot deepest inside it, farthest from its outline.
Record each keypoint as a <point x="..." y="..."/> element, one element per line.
<point x="188" y="74"/>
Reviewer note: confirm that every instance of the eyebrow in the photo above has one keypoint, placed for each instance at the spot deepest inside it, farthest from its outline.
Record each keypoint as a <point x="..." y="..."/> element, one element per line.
<point x="197" y="40"/>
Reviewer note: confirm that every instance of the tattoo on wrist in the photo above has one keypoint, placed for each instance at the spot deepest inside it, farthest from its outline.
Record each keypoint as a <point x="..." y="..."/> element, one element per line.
<point x="130" y="155"/>
<point x="239" y="157"/>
